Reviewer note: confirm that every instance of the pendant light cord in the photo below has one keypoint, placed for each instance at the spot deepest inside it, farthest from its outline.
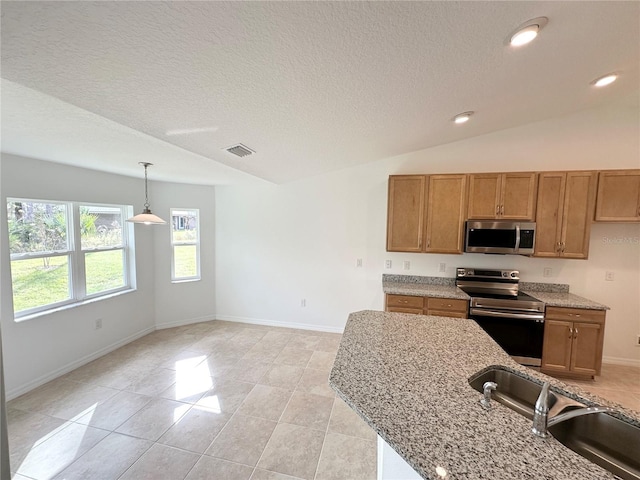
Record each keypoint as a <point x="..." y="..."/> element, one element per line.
<point x="146" y="191"/>
<point x="146" y="188"/>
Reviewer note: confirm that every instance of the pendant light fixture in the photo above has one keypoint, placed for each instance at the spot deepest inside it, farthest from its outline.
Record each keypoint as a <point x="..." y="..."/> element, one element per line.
<point x="146" y="216"/>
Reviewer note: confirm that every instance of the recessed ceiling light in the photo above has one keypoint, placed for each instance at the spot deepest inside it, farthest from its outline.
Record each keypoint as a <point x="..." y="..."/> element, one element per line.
<point x="606" y="80"/>
<point x="462" y="117"/>
<point x="526" y="32"/>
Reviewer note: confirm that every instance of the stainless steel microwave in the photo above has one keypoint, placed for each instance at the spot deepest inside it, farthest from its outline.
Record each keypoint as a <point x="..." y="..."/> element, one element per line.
<point x="500" y="236"/>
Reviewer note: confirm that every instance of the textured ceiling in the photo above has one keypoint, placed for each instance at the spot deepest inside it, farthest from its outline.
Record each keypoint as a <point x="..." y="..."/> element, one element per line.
<point x="310" y="86"/>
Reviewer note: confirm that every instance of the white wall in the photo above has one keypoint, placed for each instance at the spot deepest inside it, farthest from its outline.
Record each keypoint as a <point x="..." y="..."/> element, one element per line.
<point x="276" y="245"/>
<point x="37" y="349"/>
<point x="186" y="302"/>
<point x="42" y="348"/>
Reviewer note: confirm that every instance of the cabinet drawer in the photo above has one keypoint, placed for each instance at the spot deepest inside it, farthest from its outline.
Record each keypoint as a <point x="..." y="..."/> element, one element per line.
<point x="447" y="304"/>
<point x="415" y="311"/>
<point x="448" y="313"/>
<point x="406" y="301"/>
<point x="575" y="314"/>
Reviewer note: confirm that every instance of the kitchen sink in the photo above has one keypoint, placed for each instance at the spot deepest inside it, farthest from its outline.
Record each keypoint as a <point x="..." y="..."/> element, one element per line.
<point x="605" y="440"/>
<point x="514" y="391"/>
<point x="599" y="437"/>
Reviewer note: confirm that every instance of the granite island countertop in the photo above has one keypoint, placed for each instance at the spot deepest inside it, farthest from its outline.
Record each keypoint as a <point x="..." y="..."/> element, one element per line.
<point x="407" y="377"/>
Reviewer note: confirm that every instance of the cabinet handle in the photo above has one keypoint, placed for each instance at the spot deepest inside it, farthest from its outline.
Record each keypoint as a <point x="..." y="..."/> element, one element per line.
<point x="502" y="210"/>
<point x="497" y="209"/>
<point x="563" y="245"/>
<point x="570" y="332"/>
<point x="575" y="335"/>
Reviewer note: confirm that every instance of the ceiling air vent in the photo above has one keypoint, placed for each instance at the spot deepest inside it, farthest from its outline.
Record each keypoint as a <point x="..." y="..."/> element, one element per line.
<point x="239" y="150"/>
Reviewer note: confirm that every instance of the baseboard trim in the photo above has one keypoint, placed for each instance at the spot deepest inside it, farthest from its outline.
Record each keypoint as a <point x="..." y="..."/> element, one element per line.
<point x="630" y="362"/>
<point x="274" y="323"/>
<point x="189" y="321"/>
<point x="27" y="387"/>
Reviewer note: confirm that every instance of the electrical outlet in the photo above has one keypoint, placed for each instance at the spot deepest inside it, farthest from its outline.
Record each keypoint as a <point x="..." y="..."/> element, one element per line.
<point x="387" y="264"/>
<point x="98" y="323"/>
<point x="442" y="267"/>
<point x="303" y="302"/>
<point x="609" y="276"/>
<point x="406" y="265"/>
<point x="358" y="262"/>
<point x="547" y="272"/>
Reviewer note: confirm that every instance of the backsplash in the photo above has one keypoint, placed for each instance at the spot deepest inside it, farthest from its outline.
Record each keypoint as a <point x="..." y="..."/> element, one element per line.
<point x="544" y="287"/>
<point x="386" y="277"/>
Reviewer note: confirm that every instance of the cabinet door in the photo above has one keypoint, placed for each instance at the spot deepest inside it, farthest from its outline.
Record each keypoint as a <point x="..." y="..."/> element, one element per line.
<point x="445" y="213"/>
<point x="549" y="214"/>
<point x="405" y="213"/>
<point x="556" y="347"/>
<point x="579" y="201"/>
<point x="586" y="352"/>
<point x="618" y="196"/>
<point x="518" y="199"/>
<point x="484" y="196"/>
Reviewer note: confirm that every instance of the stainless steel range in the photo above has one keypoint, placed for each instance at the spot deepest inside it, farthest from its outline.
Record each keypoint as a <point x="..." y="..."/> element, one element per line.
<point x="513" y="319"/>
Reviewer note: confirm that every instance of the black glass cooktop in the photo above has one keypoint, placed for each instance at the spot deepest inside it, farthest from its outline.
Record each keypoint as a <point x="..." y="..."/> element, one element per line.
<point x="520" y="297"/>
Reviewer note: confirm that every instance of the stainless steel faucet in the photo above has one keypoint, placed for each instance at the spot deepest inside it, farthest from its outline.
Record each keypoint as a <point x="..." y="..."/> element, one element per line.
<point x="541" y="421"/>
<point x="487" y="388"/>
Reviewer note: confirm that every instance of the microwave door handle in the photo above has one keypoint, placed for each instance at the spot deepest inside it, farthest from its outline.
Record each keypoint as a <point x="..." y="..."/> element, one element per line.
<point x="517" y="247"/>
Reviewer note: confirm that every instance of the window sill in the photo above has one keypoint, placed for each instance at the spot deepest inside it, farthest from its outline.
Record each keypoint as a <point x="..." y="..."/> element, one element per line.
<point x="69" y="306"/>
<point x="186" y="280"/>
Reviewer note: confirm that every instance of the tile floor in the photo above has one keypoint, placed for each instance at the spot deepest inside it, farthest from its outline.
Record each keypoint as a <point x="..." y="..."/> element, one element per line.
<point x="617" y="383"/>
<point x="214" y="400"/>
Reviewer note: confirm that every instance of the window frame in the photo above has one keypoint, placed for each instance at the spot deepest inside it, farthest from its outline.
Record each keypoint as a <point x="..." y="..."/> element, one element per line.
<point x="194" y="278"/>
<point x="76" y="257"/>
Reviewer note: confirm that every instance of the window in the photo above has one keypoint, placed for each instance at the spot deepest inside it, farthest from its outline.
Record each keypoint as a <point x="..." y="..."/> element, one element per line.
<point x="185" y="244"/>
<point x="65" y="252"/>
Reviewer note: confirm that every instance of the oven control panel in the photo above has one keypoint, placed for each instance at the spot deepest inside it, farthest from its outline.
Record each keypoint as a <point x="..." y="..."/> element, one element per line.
<point x="486" y="273"/>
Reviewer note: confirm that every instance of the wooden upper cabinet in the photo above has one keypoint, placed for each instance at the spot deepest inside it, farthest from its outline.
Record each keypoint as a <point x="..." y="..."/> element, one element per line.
<point x="504" y="196"/>
<point x="406" y="213"/>
<point x="618" y="196"/>
<point x="484" y="196"/>
<point x="447" y="200"/>
<point x="564" y="212"/>
<point x="426" y="207"/>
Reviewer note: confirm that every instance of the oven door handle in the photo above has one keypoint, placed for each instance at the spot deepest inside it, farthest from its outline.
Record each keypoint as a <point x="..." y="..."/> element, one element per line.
<point x="517" y="246"/>
<point x="499" y="314"/>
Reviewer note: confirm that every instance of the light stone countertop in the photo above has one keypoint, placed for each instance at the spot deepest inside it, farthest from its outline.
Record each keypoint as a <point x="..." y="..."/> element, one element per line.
<point x="566" y="300"/>
<point x="555" y="296"/>
<point x="424" y="290"/>
<point x="407" y="377"/>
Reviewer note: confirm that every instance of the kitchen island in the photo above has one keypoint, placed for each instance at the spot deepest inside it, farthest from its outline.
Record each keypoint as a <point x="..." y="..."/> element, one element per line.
<point x="407" y="377"/>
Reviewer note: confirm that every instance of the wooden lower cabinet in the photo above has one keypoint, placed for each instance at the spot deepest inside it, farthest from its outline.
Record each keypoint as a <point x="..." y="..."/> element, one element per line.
<point x="573" y="340"/>
<point x="444" y="307"/>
